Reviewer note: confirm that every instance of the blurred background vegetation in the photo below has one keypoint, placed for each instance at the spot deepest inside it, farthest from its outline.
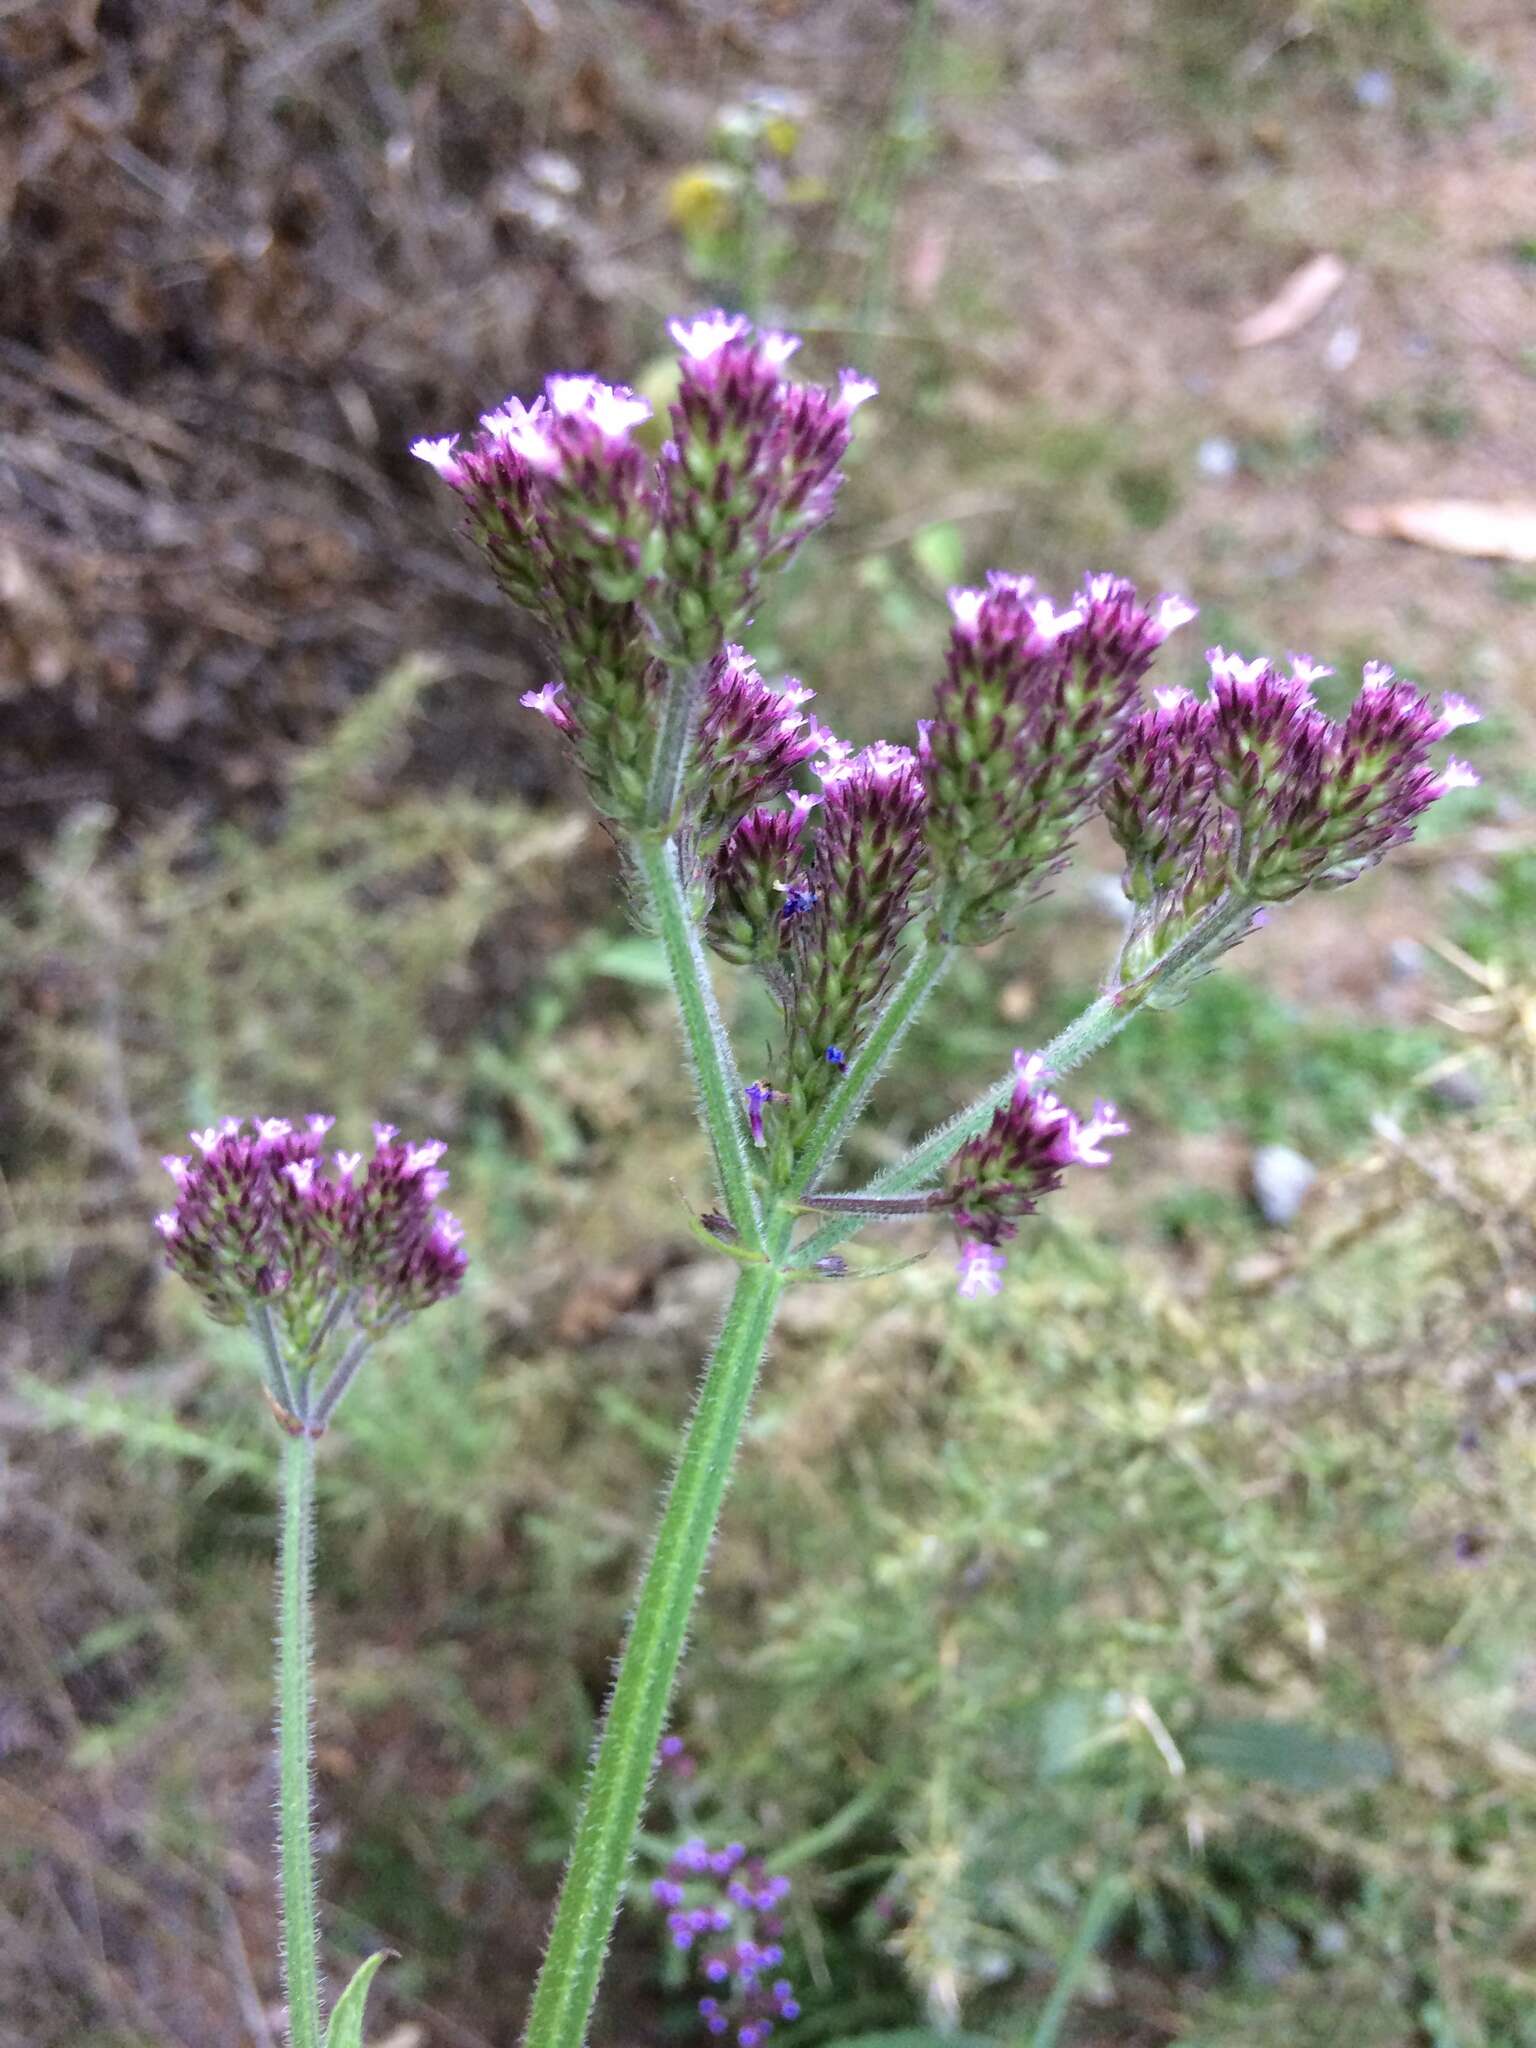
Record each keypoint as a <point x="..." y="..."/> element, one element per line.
<point x="1144" y="1657"/>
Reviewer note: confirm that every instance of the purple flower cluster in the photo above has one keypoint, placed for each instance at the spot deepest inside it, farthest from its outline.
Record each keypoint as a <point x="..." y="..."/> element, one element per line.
<point x="630" y="561"/>
<point x="861" y="890"/>
<point x="264" y="1217"/>
<point x="760" y="886"/>
<point x="723" y="1902"/>
<point x="1252" y="792"/>
<point x="752" y="468"/>
<point x="1014" y="1164"/>
<point x="1030" y="714"/>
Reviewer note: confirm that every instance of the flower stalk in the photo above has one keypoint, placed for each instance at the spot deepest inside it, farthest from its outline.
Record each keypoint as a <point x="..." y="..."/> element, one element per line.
<point x="714" y="1063"/>
<point x="295" y="1743"/>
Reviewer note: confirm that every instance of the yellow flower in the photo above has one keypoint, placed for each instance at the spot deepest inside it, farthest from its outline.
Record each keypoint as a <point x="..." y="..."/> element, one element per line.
<point x="702" y="199"/>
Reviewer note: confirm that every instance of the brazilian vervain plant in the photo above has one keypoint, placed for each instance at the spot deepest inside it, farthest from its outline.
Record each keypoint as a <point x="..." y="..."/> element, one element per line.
<point x="849" y="899"/>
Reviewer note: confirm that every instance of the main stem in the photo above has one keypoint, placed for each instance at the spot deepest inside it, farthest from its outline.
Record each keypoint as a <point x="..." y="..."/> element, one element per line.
<point x="295" y="1661"/>
<point x="721" y="1100"/>
<point x="594" y="1879"/>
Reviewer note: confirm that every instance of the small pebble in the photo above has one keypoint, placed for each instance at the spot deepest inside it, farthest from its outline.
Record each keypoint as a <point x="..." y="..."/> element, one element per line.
<point x="1375" y="89"/>
<point x="1405" y="960"/>
<point x="1281" y="1179"/>
<point x="1458" y="1089"/>
<point x="1342" y="348"/>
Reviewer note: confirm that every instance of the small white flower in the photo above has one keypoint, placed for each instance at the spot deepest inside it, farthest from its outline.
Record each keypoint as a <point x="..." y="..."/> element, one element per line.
<point x="966" y="607"/>
<point x="1030" y="1068"/>
<point x="443" y="456"/>
<point x="705" y="337"/>
<point x="524" y="429"/>
<point x="546" y="701"/>
<point x="980" y="1269"/>
<point x="1049" y="623"/>
<point x="1104" y="1123"/>
<point x="776" y="349"/>
<point x="1456" y="711"/>
<point x="1231" y="668"/>
<point x="854" y="391"/>
<point x="167" y="1225"/>
<point x="1173" y="612"/>
<point x="1458" y="775"/>
<point x="612" y="408"/>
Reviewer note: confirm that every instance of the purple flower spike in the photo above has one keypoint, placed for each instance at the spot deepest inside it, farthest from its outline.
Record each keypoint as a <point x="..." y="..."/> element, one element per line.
<point x="1158" y="802"/>
<point x="1316" y="801"/>
<point x="752" y="468"/>
<point x="1015" y="1163"/>
<point x="865" y="873"/>
<point x="1252" y="795"/>
<point x="755" y="876"/>
<point x="1033" y="709"/>
<point x="751" y="741"/>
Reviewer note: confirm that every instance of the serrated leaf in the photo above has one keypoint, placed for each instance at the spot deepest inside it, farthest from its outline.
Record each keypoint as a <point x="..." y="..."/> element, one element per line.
<point x="346" y="2027"/>
<point x="1290" y="1753"/>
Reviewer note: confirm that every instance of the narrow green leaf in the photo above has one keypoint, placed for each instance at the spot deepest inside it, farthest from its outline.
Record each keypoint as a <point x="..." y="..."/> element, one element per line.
<point x="346" y="2027"/>
<point x="1290" y="1753"/>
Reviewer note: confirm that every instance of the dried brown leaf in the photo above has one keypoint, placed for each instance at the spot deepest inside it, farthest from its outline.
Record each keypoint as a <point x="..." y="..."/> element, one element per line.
<point x="1500" y="531"/>
<point x="1299" y="300"/>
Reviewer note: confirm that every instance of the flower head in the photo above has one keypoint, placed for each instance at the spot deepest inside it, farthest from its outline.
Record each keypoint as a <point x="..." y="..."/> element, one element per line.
<point x="263" y="1218"/>
<point x="864" y="882"/>
<point x="753" y="878"/>
<point x="752" y="739"/>
<point x="751" y="469"/>
<point x="723" y="1906"/>
<point x="1033" y="709"/>
<point x="1016" y="1162"/>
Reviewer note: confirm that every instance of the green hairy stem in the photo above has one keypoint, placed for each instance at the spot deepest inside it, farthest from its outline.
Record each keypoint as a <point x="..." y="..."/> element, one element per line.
<point x="637" y="1711"/>
<point x="924" y="972"/>
<point x="714" y="1063"/>
<point x="295" y="1660"/>
<point x="669" y="763"/>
